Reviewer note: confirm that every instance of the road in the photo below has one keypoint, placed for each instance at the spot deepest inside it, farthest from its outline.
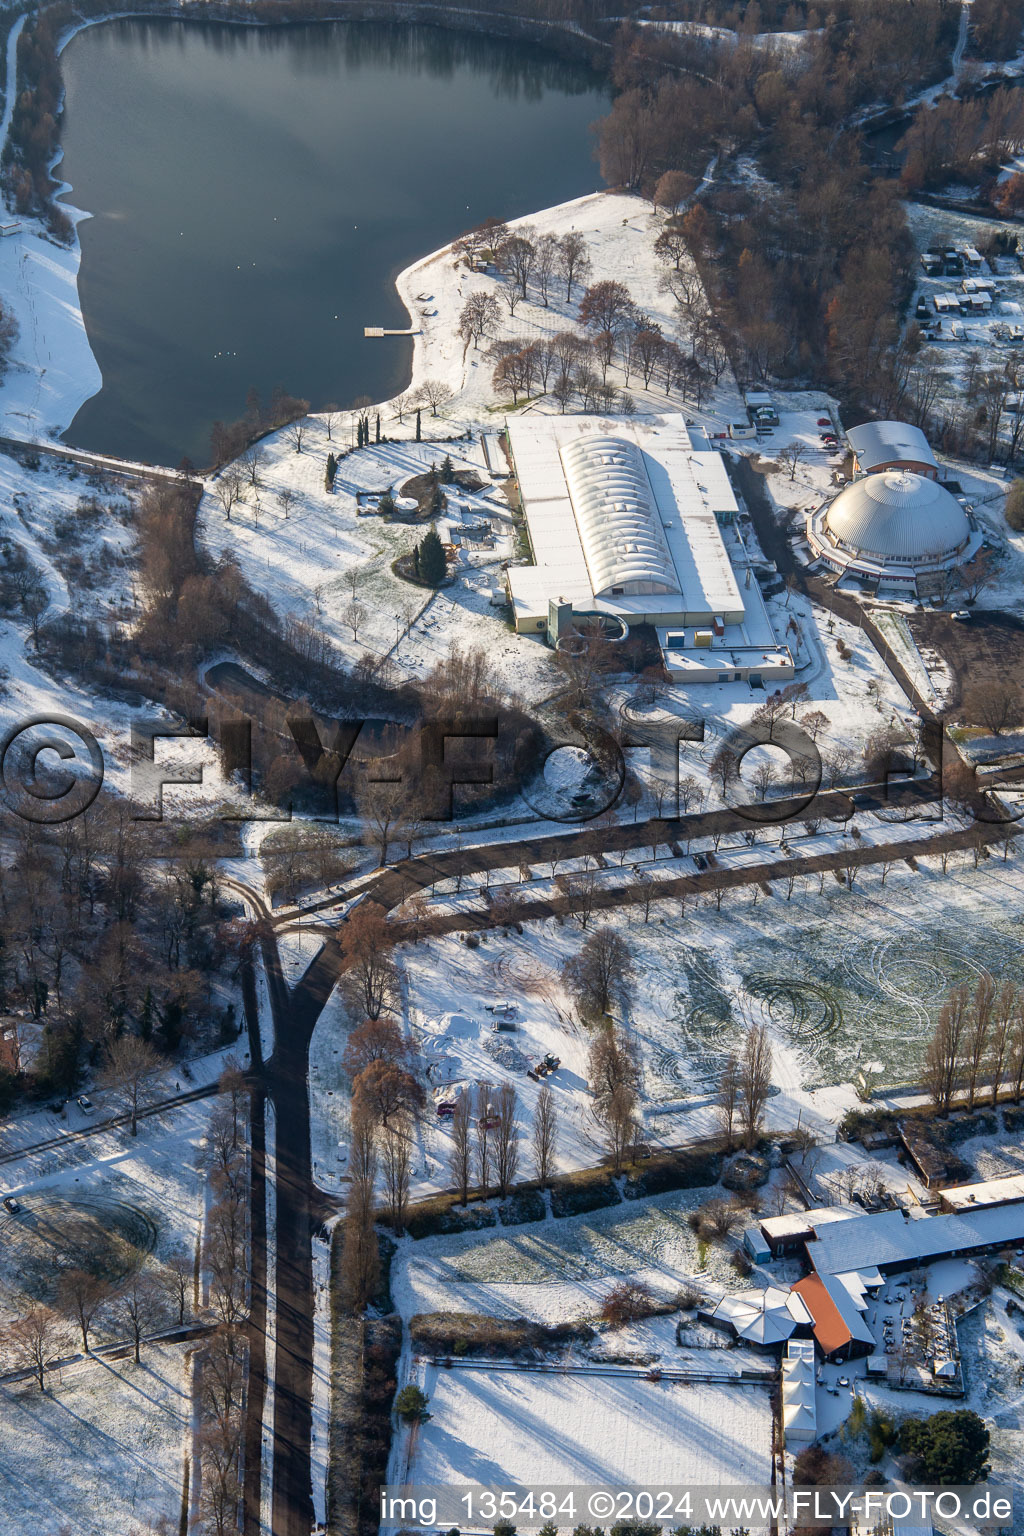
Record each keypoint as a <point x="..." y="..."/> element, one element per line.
<point x="300" y="1207"/>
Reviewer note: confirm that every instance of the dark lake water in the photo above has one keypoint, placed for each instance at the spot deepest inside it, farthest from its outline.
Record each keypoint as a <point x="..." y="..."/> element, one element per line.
<point x="255" y="191"/>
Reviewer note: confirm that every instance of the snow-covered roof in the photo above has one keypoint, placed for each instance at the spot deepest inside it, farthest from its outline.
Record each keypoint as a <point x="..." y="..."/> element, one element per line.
<point x="889" y="1239"/>
<point x="759" y="1317"/>
<point x="889" y="442"/>
<point x="623" y="515"/>
<point x="796" y="1224"/>
<point x="620" y="530"/>
<point x="966" y="1197"/>
<point x="898" y="515"/>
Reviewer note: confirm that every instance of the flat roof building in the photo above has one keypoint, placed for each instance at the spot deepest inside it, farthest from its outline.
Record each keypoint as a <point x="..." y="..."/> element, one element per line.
<point x="626" y="523"/>
<point x="895" y="1240"/>
<point x="987" y="1193"/>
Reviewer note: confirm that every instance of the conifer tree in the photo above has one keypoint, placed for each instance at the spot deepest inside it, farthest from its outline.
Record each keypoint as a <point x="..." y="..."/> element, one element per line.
<point x="431" y="564"/>
<point x="376" y="436"/>
<point x="419" y="426"/>
<point x="447" y="471"/>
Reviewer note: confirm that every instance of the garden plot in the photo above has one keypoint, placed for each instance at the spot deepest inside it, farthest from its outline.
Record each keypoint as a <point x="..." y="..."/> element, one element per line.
<point x="101" y="1454"/>
<point x="846" y="980"/>
<point x="506" y="1428"/>
<point x="448" y="988"/>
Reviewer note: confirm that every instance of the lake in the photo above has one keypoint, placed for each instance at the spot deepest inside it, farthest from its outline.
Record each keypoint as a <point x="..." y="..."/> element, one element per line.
<point x="254" y="192"/>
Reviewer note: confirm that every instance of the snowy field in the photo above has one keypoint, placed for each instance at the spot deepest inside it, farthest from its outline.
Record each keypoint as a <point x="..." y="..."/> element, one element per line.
<point x="142" y="1197"/>
<point x="100" y="1455"/>
<point x="848" y="981"/>
<point x="559" y="1270"/>
<point x="506" y="1428"/>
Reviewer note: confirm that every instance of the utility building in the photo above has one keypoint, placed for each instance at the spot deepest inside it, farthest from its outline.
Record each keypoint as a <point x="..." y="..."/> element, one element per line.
<point x="879" y="445"/>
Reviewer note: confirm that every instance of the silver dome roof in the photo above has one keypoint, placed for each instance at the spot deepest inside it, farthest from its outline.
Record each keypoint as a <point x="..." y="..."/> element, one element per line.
<point x="898" y="515"/>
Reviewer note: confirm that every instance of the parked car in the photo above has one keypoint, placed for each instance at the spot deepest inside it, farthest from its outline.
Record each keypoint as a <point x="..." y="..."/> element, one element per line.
<point x="11" y="1205"/>
<point x="84" y="1103"/>
<point x="824" y="421"/>
<point x="962" y="615"/>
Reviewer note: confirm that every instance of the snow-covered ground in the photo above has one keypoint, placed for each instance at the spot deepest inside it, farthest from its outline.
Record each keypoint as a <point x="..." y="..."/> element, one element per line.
<point x="103" y="1453"/>
<point x="509" y="1428"/>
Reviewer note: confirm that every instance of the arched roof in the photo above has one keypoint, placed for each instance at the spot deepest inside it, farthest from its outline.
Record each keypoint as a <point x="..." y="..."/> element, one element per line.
<point x="619" y="524"/>
<point x="898" y="515"/>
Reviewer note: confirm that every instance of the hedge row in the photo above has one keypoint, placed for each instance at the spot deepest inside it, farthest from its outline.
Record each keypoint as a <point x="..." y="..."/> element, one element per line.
<point x="571" y="1194"/>
<point x="473" y="1333"/>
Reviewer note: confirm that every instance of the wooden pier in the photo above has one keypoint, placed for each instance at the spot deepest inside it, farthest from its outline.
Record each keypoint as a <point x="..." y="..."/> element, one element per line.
<point x="379" y="330"/>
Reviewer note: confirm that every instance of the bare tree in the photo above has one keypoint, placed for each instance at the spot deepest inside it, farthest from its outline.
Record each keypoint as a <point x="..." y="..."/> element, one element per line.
<point x="81" y="1297"/>
<point x="366" y="945"/>
<point x="601" y="973"/>
<point x="360" y="1260"/>
<point x="620" y="1122"/>
<point x="996" y="705"/>
<point x="460" y="1158"/>
<point x="380" y="807"/>
<point x="978" y="1033"/>
<point x="287" y="498"/>
<point x="388" y="1093"/>
<point x="437" y="394"/>
<point x="516" y="258"/>
<point x="573" y="261"/>
<point x="354" y="615"/>
<point x="396" y="1160"/>
<point x="480" y="315"/>
<point x="131" y="1066"/>
<point x="32" y="1341"/>
<point x="755" y="1080"/>
<point x="484" y="1128"/>
<point x="138" y="1307"/>
<point x="545" y="1135"/>
<point x="944" y="1056"/>
<point x="297" y="432"/>
<point x="729" y="1097"/>
<point x="228" y="489"/>
<point x="792" y="456"/>
<point x="331" y="415"/>
<point x="1003" y="1013"/>
<point x="252" y="462"/>
<point x="179" y="1275"/>
<point x="506" y="1139"/>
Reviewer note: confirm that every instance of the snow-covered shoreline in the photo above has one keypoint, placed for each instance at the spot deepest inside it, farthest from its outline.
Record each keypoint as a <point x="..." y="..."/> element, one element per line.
<point x="53" y="370"/>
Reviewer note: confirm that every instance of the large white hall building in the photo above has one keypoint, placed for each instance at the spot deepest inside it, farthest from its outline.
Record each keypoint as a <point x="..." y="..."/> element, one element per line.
<point x="633" y="522"/>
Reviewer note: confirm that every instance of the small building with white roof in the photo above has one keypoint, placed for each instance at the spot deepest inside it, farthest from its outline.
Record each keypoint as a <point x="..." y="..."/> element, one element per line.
<point x="879" y="445"/>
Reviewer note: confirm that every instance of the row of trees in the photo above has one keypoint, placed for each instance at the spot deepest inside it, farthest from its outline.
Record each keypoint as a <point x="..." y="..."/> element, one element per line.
<point x="977" y="1046"/>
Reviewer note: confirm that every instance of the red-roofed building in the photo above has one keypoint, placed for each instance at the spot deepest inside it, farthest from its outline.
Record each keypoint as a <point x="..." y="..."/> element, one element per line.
<point x="839" y="1329"/>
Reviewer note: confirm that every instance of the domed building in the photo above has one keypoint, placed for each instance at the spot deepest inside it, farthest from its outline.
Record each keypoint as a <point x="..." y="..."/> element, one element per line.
<point x="896" y="530"/>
